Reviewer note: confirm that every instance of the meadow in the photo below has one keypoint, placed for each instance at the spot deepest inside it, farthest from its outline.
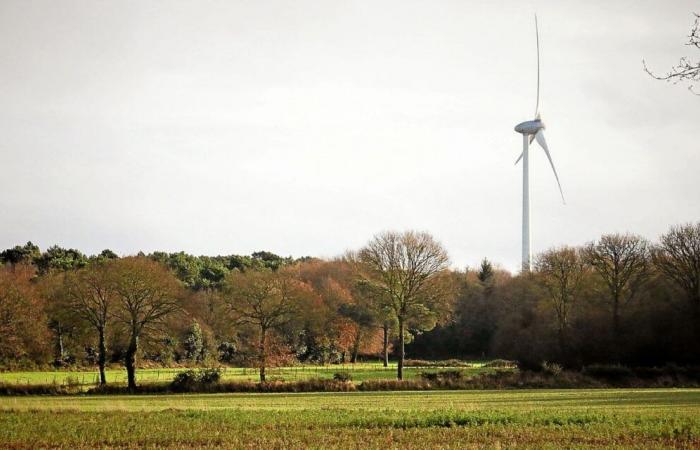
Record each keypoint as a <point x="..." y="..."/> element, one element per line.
<point x="622" y="418"/>
<point x="358" y="371"/>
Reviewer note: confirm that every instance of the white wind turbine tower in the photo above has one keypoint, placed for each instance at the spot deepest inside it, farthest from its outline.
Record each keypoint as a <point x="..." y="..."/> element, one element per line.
<point x="532" y="130"/>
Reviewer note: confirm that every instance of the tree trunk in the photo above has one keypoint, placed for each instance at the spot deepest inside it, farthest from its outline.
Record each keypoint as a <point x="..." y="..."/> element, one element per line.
<point x="616" y="328"/>
<point x="60" y="349"/>
<point x="562" y="342"/>
<point x="102" y="355"/>
<point x="616" y="317"/>
<point x="130" y="360"/>
<point x="263" y="353"/>
<point x="401" y="350"/>
<point x="385" y="348"/>
<point x="356" y="346"/>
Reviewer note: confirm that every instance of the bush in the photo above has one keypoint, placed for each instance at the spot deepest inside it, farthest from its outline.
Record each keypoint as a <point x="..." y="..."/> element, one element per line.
<point x="443" y="375"/>
<point x="209" y="376"/>
<point x="344" y="376"/>
<point x="195" y="380"/>
<point x="552" y="369"/>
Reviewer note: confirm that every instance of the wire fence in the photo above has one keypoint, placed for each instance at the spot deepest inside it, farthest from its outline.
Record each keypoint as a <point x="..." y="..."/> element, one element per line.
<point x="358" y="371"/>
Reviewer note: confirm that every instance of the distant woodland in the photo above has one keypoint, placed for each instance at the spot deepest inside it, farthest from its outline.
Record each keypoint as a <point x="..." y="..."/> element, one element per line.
<point x="618" y="300"/>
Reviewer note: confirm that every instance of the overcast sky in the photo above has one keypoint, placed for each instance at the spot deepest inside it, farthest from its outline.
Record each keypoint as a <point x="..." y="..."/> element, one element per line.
<point x="305" y="127"/>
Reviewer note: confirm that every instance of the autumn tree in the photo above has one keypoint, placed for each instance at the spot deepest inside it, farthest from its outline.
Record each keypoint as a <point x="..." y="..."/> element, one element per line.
<point x="266" y="300"/>
<point x="410" y="270"/>
<point x="561" y="271"/>
<point x="22" y="319"/>
<point x="678" y="257"/>
<point x="64" y="325"/>
<point x="90" y="294"/>
<point x="622" y="262"/>
<point x="146" y="293"/>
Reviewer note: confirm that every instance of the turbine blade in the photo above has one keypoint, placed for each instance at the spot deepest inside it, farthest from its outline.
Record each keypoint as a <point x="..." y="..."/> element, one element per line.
<point x="518" y="160"/>
<point x="537" y="37"/>
<point x="532" y="138"/>
<point x="543" y="143"/>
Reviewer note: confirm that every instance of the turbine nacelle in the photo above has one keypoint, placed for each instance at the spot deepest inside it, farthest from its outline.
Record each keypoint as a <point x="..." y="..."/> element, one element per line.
<point x="531" y="127"/>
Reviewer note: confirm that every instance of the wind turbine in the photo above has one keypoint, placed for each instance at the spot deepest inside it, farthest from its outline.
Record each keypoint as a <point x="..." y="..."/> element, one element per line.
<point x="532" y="130"/>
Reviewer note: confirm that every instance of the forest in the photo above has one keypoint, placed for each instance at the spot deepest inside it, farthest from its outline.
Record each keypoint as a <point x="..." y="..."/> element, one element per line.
<point x="620" y="299"/>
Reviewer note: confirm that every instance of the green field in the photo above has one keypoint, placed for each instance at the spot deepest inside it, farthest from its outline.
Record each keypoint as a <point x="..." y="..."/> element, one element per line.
<point x="360" y="372"/>
<point x="444" y="419"/>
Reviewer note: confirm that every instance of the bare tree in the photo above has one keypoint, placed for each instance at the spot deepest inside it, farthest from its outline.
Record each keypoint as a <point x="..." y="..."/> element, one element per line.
<point x="686" y="70"/>
<point x="266" y="300"/>
<point x="146" y="294"/>
<point x="561" y="271"/>
<point x="622" y="261"/>
<point x="678" y="257"/>
<point x="410" y="270"/>
<point x="90" y="297"/>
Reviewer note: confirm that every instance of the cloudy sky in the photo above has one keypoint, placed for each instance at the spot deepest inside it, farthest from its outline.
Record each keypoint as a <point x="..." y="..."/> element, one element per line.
<point x="305" y="127"/>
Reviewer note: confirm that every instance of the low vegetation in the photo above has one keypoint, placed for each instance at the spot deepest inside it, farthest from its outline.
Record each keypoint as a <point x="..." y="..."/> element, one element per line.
<point x="549" y="376"/>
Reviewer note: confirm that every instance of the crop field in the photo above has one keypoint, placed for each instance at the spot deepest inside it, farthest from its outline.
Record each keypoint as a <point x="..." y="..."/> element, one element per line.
<point x="359" y="372"/>
<point x="622" y="418"/>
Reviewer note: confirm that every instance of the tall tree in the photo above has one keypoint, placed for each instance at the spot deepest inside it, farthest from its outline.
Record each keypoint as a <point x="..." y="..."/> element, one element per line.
<point x="678" y="257"/>
<point x="146" y="293"/>
<point x="561" y="271"/>
<point x="90" y="296"/>
<point x="267" y="301"/>
<point x="622" y="261"/>
<point x="409" y="269"/>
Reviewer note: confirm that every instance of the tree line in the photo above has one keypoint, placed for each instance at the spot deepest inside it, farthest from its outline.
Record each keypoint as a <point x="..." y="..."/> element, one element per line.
<point x="619" y="299"/>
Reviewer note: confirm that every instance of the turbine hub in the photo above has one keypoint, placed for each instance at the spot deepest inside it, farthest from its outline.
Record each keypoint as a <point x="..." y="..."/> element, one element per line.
<point x="530" y="127"/>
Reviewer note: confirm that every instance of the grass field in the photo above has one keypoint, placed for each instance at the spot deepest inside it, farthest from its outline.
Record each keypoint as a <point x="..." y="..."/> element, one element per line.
<point x="360" y="372"/>
<point x="413" y="420"/>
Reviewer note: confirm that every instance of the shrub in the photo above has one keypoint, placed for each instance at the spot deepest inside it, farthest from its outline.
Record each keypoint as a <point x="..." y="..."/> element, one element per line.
<point x="429" y="376"/>
<point x="344" y="376"/>
<point x="209" y="376"/>
<point x="552" y="369"/>
<point x="195" y="380"/>
<point x="442" y="376"/>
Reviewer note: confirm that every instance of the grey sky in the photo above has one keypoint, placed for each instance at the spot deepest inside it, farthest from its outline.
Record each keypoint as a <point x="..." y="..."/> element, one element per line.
<point x="305" y="127"/>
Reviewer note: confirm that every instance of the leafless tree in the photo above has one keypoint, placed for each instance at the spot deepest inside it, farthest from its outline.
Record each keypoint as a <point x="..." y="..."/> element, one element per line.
<point x="686" y="70"/>
<point x="622" y="261"/>
<point x="409" y="269"/>
<point x="91" y="297"/>
<point x="146" y="294"/>
<point x="266" y="300"/>
<point x="678" y="257"/>
<point x="561" y="271"/>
